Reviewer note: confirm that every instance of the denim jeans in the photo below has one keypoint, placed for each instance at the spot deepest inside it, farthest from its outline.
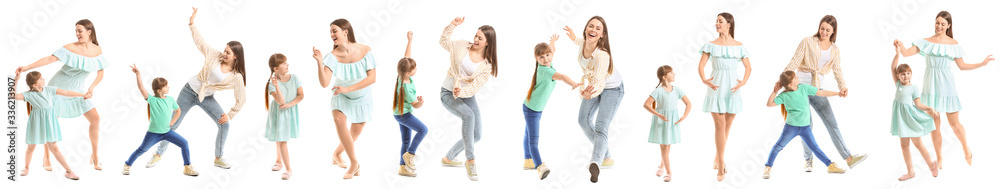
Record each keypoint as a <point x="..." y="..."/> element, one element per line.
<point x="531" y="119"/>
<point x="607" y="102"/>
<point x="468" y="110"/>
<point x="789" y="133"/>
<point x="825" y="112"/>
<point x="409" y="122"/>
<point x="153" y="138"/>
<point x="189" y="98"/>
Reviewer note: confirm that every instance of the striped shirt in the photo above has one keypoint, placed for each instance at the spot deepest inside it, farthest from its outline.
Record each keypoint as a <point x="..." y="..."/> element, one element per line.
<point x="807" y="57"/>
<point x="596" y="71"/>
<point x="212" y="60"/>
<point x="459" y="49"/>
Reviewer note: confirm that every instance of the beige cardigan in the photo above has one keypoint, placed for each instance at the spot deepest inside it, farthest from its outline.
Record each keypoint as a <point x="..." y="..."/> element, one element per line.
<point x="234" y="81"/>
<point x="459" y="49"/>
<point x="806" y="59"/>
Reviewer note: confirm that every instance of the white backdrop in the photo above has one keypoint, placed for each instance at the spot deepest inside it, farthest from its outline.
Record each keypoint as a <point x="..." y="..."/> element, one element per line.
<point x="644" y="35"/>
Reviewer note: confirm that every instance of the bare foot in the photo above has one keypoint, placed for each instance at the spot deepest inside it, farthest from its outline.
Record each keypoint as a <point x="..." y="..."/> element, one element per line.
<point x="24" y="172"/>
<point x="907" y="176"/>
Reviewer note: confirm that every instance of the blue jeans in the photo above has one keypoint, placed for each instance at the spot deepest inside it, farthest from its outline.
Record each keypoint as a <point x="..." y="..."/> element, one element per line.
<point x="409" y="122"/>
<point x="153" y="138"/>
<point x="789" y="133"/>
<point x="597" y="133"/>
<point x="531" y="119"/>
<point x="825" y="112"/>
<point x="466" y="109"/>
<point x="189" y="98"/>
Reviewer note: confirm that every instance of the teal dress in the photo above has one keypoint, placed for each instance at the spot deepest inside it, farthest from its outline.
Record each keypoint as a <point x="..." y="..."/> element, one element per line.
<point x="71" y="77"/>
<point x="283" y="124"/>
<point x="939" y="83"/>
<point x="907" y="120"/>
<point x="43" y="125"/>
<point x="725" y="63"/>
<point x="666" y="132"/>
<point x="356" y="105"/>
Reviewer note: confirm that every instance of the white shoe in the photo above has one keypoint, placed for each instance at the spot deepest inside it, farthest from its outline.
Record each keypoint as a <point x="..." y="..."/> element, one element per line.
<point x="470" y="170"/>
<point x="153" y="161"/>
<point x="221" y="163"/>
<point x="809" y="165"/>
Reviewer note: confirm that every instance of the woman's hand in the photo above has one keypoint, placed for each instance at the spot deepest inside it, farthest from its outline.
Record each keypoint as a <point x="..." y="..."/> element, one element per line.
<point x="20" y="69"/>
<point x="709" y="83"/>
<point x="458" y="21"/>
<point x="456" y="91"/>
<point x="286" y="106"/>
<point x="988" y="59"/>
<point x="738" y="85"/>
<point x="224" y="119"/>
<point x="317" y="55"/>
<point x="679" y="120"/>
<point x="662" y="117"/>
<point x="588" y="92"/>
<point x="195" y="12"/>
<point x="569" y="33"/>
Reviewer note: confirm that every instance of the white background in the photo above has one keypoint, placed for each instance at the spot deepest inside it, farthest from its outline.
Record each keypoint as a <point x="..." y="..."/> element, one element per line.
<point x="644" y="35"/>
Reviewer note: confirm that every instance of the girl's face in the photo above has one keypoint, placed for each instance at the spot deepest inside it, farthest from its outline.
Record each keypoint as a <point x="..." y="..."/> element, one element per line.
<point x="479" y="40"/>
<point x="338" y="35"/>
<point x="721" y="25"/>
<point x="941" y="26"/>
<point x="39" y="84"/>
<point x="904" y="77"/>
<point x="825" y="31"/>
<point x="164" y="91"/>
<point x="228" y="56"/>
<point x="794" y="83"/>
<point x="545" y="59"/>
<point x="594" y="31"/>
<point x="282" y="68"/>
<point x="669" y="77"/>
<point x="82" y="34"/>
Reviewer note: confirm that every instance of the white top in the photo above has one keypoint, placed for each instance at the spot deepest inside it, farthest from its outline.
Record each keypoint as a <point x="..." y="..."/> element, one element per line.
<point x="824" y="58"/>
<point x="217" y="76"/>
<point x="613" y="81"/>
<point x="466" y="69"/>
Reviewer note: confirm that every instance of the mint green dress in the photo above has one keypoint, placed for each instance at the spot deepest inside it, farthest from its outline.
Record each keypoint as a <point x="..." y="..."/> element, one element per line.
<point x="725" y="73"/>
<point x="939" y="83"/>
<point x="666" y="132"/>
<point x="907" y="119"/>
<point x="71" y="77"/>
<point x="43" y="123"/>
<point x="283" y="124"/>
<point x="356" y="105"/>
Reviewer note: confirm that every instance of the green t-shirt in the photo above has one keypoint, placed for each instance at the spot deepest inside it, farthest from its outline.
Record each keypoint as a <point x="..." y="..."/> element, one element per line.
<point x="409" y="96"/>
<point x="797" y="105"/>
<point x="543" y="88"/>
<point x="161" y="111"/>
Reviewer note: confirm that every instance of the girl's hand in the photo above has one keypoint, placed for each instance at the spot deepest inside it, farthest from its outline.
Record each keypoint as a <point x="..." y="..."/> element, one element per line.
<point x="409" y="36"/>
<point x="17" y="77"/>
<point x="317" y="55"/>
<point x="569" y="33"/>
<point x="679" y="120"/>
<point x="195" y="12"/>
<point x="988" y="59"/>
<point x="274" y="82"/>
<point x="737" y="87"/>
<point x="340" y="90"/>
<point x="89" y="93"/>
<point x="286" y="106"/>
<point x="554" y="38"/>
<point x="575" y="85"/>
<point x="709" y="83"/>
<point x="420" y="99"/>
<point x="87" y="96"/>
<point x="134" y="69"/>
<point x="458" y="21"/>
<point x="777" y="87"/>
<point x="933" y="113"/>
<point x="662" y="117"/>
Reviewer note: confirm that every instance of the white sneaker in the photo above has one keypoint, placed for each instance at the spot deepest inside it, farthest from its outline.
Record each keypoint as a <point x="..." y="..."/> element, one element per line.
<point x="153" y="161"/>
<point x="809" y="165"/>
<point x="470" y="170"/>
<point x="221" y="163"/>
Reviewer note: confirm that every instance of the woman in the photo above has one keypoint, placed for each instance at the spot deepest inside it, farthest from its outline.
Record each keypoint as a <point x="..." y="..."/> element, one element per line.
<point x="79" y="59"/>
<point x="472" y="64"/>
<point x="353" y="64"/>
<point x="815" y="57"/>
<point x="723" y="99"/>
<point x="603" y="92"/>
<point x="221" y="71"/>
<point x="940" y="50"/>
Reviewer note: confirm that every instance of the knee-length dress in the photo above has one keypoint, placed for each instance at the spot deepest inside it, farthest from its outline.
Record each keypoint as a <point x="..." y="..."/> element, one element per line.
<point x="356" y="105"/>
<point x="666" y="132"/>
<point x="71" y="77"/>
<point x="43" y="123"/>
<point x="907" y="120"/>
<point x="939" y="83"/>
<point x="283" y="124"/>
<point x="725" y="63"/>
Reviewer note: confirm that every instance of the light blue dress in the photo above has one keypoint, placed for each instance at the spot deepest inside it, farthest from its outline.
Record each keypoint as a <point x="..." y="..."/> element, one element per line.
<point x="356" y="105"/>
<point x="283" y="124"/>
<point x="666" y="132"/>
<point x="939" y="83"/>
<point x="725" y="63"/>
<point x="907" y="120"/>
<point x="71" y="77"/>
<point x="43" y="123"/>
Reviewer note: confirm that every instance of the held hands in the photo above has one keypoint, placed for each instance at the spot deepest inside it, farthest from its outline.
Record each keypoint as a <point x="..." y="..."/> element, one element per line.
<point x="20" y="69"/>
<point x="458" y="21"/>
<point x="317" y="55"/>
<point x="569" y="33"/>
<point x="709" y="83"/>
<point x="195" y="12"/>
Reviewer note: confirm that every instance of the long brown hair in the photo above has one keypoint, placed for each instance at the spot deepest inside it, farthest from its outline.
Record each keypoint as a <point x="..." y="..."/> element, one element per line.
<point x="783" y="80"/>
<point x="660" y="72"/>
<point x="31" y="79"/>
<point x="491" y="47"/>
<point x="158" y="84"/>
<point x="276" y="60"/>
<point x="404" y="67"/>
<point x="239" y="63"/>
<point x="732" y="23"/>
<point x="604" y="43"/>
<point x="344" y="25"/>
<point x="947" y="17"/>
<point x="828" y="19"/>
<point x="540" y="50"/>
<point x="93" y="33"/>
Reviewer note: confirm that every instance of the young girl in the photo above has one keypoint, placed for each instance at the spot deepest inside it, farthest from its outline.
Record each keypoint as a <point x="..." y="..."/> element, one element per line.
<point x="662" y="103"/>
<point x="43" y="125"/>
<point x="542" y="83"/>
<point x="404" y="99"/>
<point x="911" y="119"/>
<point x="283" y="121"/>
<point x="798" y="118"/>
<point x="163" y="112"/>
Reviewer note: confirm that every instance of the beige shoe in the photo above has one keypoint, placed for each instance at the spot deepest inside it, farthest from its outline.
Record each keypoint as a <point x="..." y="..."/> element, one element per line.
<point x="529" y="164"/>
<point x="834" y="169"/>
<point x="767" y="172"/>
<point x="221" y="163"/>
<point x="450" y="163"/>
<point x="470" y="170"/>
<point x="607" y="163"/>
<point x="189" y="171"/>
<point x="408" y="161"/>
<point x="125" y="171"/>
<point x="403" y="171"/>
<point x="543" y="171"/>
<point x="152" y="162"/>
